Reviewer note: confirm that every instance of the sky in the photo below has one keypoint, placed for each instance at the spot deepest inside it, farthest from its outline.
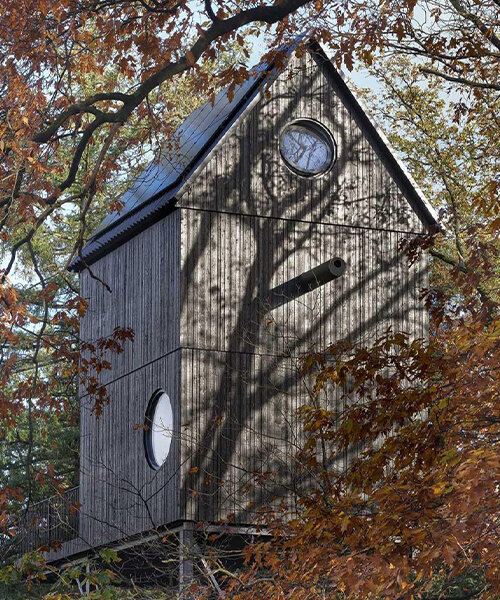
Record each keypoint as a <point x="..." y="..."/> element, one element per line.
<point x="359" y="76"/>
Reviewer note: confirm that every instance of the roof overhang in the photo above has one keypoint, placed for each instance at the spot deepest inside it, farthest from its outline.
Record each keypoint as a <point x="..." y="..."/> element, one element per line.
<point x="153" y="207"/>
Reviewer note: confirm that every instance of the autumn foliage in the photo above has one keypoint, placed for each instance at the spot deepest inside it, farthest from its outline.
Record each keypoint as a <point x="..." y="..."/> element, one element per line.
<point x="421" y="500"/>
<point x="416" y="512"/>
<point x="89" y="91"/>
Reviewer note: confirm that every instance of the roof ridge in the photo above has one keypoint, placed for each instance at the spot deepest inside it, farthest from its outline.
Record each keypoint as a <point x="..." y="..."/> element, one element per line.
<point x="153" y="193"/>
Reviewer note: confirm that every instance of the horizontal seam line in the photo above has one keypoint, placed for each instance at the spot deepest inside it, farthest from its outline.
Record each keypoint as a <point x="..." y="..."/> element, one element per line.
<point x="362" y="227"/>
<point x="193" y="348"/>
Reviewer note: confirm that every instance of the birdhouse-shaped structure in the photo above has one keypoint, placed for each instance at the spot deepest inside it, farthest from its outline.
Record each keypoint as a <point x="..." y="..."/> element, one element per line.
<point x="272" y="228"/>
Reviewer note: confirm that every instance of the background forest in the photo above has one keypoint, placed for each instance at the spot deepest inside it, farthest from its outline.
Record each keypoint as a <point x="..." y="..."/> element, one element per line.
<point x="90" y="91"/>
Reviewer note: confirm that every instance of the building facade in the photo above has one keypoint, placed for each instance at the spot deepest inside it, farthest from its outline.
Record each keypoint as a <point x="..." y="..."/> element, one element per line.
<point x="212" y="263"/>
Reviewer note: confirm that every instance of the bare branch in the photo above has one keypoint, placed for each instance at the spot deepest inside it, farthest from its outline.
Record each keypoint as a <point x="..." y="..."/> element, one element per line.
<point x="80" y="107"/>
<point x="210" y="11"/>
<point x="486" y="30"/>
<point x="462" y="80"/>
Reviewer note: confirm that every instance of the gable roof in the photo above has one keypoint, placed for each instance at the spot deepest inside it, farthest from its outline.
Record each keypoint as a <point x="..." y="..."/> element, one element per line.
<point x="153" y="194"/>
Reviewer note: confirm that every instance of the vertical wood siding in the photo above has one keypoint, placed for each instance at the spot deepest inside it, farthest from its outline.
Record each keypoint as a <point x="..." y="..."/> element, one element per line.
<point x="246" y="174"/>
<point x="194" y="287"/>
<point x="249" y="225"/>
<point x="143" y="277"/>
<point x="119" y="492"/>
<point x="240" y="385"/>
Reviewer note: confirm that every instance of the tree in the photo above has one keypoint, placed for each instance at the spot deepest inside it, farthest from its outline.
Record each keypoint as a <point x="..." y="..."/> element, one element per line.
<point x="44" y="99"/>
<point x="417" y="513"/>
<point x="455" y="160"/>
<point x="70" y="121"/>
<point x="42" y="368"/>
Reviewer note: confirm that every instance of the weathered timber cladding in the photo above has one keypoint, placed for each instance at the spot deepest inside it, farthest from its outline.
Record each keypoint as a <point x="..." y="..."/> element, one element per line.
<point x="242" y="370"/>
<point x="231" y="262"/>
<point x="246" y="175"/>
<point x="119" y="492"/>
<point x="193" y="287"/>
<point x="248" y="225"/>
<point x="143" y="280"/>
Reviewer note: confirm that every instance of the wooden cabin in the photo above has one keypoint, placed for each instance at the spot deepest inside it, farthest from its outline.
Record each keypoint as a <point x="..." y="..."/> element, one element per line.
<point x="213" y="262"/>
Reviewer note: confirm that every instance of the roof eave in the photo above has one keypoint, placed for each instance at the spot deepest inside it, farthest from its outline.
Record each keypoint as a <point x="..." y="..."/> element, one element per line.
<point x="117" y="233"/>
<point x="163" y="202"/>
<point x="408" y="185"/>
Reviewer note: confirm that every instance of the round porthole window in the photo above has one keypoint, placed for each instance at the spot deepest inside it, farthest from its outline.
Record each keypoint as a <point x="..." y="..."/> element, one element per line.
<point x="158" y="429"/>
<point x="307" y="147"/>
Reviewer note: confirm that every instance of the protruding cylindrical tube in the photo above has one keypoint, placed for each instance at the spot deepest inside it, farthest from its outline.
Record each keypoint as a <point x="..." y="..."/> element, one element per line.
<point x="331" y="269"/>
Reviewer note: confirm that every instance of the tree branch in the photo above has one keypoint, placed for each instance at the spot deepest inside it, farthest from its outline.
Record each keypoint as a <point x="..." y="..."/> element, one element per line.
<point x="485" y="297"/>
<point x="462" y="80"/>
<point x="265" y="14"/>
<point x="486" y="30"/>
<point x="80" y="107"/>
<point x="210" y="11"/>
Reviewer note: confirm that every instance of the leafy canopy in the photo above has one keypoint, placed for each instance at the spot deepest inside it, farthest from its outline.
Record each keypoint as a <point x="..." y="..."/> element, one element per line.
<point x="90" y="89"/>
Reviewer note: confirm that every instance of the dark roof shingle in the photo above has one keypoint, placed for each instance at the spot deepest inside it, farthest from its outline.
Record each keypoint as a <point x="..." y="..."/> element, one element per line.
<point x="153" y="193"/>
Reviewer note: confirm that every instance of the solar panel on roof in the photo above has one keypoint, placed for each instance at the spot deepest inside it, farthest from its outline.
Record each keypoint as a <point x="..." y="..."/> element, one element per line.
<point x="189" y="140"/>
<point x="155" y="190"/>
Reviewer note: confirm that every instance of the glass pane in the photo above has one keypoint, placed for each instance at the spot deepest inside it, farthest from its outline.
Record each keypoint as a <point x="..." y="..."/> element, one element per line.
<point x="306" y="149"/>
<point x="161" y="429"/>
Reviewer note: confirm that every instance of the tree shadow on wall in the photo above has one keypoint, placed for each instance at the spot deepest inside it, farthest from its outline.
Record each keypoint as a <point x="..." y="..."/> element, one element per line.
<point x="270" y="226"/>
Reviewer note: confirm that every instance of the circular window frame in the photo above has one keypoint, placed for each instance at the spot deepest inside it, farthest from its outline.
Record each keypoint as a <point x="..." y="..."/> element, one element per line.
<point x="324" y="133"/>
<point x="148" y="429"/>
